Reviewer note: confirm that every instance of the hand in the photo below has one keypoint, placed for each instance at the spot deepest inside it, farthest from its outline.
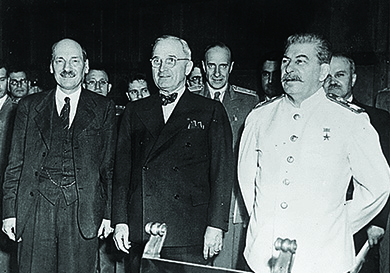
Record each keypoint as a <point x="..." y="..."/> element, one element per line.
<point x="121" y="237"/>
<point x="374" y="234"/>
<point x="105" y="229"/>
<point x="212" y="242"/>
<point x="9" y="228"/>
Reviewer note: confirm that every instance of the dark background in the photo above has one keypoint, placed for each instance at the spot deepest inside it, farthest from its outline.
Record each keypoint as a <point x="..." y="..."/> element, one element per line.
<point x="119" y="33"/>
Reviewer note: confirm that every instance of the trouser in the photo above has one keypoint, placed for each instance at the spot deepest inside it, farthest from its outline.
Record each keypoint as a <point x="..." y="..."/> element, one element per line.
<point x="52" y="243"/>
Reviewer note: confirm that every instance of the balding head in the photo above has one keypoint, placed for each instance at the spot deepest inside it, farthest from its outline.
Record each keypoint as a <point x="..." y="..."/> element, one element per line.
<point x="69" y="65"/>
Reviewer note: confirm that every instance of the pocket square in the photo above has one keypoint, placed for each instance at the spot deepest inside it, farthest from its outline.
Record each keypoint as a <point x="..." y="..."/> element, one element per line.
<point x="193" y="124"/>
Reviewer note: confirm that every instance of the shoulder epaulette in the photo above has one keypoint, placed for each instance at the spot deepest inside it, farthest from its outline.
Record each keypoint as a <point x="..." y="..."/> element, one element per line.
<point x="265" y="102"/>
<point x="244" y="90"/>
<point x="387" y="89"/>
<point x="341" y="101"/>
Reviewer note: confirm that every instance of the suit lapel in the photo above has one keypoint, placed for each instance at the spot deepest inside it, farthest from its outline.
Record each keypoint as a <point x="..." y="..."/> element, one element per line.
<point x="85" y="112"/>
<point x="45" y="110"/>
<point x="151" y="115"/>
<point x="176" y="122"/>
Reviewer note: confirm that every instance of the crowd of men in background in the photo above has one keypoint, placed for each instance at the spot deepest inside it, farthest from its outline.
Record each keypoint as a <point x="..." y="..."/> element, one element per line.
<point x="92" y="174"/>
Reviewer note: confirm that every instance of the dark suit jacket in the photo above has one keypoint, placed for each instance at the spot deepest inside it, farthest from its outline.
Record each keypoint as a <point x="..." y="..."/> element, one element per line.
<point x="380" y="120"/>
<point x="94" y="139"/>
<point x="179" y="173"/>
<point x="7" y="117"/>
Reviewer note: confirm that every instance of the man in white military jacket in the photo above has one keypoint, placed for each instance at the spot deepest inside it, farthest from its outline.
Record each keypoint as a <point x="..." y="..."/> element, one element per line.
<point x="296" y="157"/>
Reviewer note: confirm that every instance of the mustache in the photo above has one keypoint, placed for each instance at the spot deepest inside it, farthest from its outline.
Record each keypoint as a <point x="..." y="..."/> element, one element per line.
<point x="290" y="77"/>
<point x="68" y="73"/>
<point x="334" y="86"/>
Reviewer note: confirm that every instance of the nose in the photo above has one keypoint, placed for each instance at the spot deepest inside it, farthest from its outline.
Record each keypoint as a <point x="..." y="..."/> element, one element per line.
<point x="216" y="71"/>
<point x="287" y="66"/>
<point x="67" y="66"/>
<point x="270" y="78"/>
<point x="330" y="80"/>
<point x="19" y="83"/>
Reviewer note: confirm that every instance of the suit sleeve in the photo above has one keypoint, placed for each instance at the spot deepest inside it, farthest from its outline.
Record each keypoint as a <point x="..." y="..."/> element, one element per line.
<point x="15" y="163"/>
<point x="221" y="168"/>
<point x="384" y="136"/>
<point x="107" y="167"/>
<point x="371" y="173"/>
<point x="122" y="171"/>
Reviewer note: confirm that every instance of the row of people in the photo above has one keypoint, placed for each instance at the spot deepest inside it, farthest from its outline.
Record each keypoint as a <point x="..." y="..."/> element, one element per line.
<point x="175" y="163"/>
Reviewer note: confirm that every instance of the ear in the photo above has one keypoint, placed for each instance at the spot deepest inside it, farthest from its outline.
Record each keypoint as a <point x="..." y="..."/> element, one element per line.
<point x="354" y="76"/>
<point x="51" y="68"/>
<point x="204" y="67"/>
<point x="189" y="66"/>
<point x="231" y="67"/>
<point x="109" y="88"/>
<point x="86" y="68"/>
<point x="325" y="68"/>
<point x="84" y="85"/>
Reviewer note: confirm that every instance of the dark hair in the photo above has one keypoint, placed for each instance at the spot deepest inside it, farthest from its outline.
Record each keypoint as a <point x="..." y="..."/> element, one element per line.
<point x="3" y="64"/>
<point x="99" y="67"/>
<point x="14" y="68"/>
<point x="218" y="44"/>
<point x="348" y="58"/>
<point x="136" y="76"/>
<point x="323" y="46"/>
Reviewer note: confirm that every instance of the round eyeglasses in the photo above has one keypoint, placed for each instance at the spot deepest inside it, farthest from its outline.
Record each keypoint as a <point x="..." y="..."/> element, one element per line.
<point x="168" y="62"/>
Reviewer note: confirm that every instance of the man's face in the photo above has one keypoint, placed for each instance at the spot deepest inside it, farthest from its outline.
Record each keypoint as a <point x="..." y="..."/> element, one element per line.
<point x="217" y="67"/>
<point x="195" y="79"/>
<point x="68" y="65"/>
<point x="3" y="82"/>
<point x="302" y="73"/>
<point x="340" y="80"/>
<point x="137" y="89"/>
<point x="166" y="78"/>
<point x="270" y="78"/>
<point x="97" y="81"/>
<point x="18" y="84"/>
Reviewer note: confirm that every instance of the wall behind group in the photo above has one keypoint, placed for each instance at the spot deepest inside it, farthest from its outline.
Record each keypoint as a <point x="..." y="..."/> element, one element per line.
<point x="119" y="33"/>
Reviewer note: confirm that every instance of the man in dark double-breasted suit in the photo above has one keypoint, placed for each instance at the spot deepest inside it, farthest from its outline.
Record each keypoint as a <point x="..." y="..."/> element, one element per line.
<point x="174" y="163"/>
<point x="57" y="188"/>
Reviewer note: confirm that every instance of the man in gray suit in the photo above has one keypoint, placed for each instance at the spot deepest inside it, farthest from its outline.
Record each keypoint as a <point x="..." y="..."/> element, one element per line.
<point x="57" y="187"/>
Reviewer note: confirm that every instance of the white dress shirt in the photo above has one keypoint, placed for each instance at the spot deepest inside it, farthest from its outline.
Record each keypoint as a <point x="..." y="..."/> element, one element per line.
<point x="168" y="109"/>
<point x="74" y="100"/>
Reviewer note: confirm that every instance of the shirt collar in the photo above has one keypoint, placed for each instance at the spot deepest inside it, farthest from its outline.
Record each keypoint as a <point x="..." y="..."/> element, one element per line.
<point x="2" y="100"/>
<point x="212" y="90"/>
<point x="60" y="95"/>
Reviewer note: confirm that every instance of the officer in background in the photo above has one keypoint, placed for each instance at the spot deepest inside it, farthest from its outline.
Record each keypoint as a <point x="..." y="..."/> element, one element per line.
<point x="269" y="71"/>
<point x="238" y="102"/>
<point x="341" y="80"/>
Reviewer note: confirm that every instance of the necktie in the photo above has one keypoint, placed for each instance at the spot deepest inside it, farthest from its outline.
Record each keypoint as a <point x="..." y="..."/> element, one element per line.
<point x="168" y="99"/>
<point x="65" y="113"/>
<point x="216" y="95"/>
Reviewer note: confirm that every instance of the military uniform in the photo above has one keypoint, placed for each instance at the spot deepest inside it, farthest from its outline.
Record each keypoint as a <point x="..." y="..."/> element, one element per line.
<point x="238" y="102"/>
<point x="294" y="168"/>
